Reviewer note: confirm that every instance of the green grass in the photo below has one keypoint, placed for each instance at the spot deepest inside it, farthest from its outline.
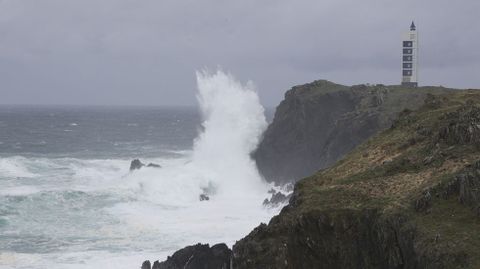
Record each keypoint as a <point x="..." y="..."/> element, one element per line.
<point x="389" y="172"/>
<point x="449" y="225"/>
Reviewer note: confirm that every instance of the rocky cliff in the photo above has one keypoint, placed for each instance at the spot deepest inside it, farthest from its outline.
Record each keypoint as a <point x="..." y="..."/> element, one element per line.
<point x="318" y="123"/>
<point x="409" y="197"/>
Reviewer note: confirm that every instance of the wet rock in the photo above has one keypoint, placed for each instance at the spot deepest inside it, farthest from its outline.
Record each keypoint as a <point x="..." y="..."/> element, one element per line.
<point x="136" y="164"/>
<point x="146" y="265"/>
<point x="198" y="256"/>
<point x="156" y="265"/>
<point x="276" y="199"/>
<point x="154" y="165"/>
<point x="204" y="197"/>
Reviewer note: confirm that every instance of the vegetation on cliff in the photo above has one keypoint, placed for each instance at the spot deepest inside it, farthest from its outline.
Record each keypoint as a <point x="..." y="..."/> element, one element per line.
<point x="318" y="123"/>
<point x="409" y="197"/>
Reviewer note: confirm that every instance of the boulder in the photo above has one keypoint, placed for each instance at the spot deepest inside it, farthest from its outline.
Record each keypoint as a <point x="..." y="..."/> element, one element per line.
<point x="137" y="164"/>
<point x="199" y="256"/>
<point x="146" y="265"/>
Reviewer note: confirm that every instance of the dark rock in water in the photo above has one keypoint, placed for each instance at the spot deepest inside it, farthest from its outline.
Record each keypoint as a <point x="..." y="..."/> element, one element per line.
<point x="276" y="199"/>
<point x="204" y="197"/>
<point x="198" y="257"/>
<point x="154" y="165"/>
<point x="136" y="164"/>
<point x="156" y="265"/>
<point x="146" y="265"/>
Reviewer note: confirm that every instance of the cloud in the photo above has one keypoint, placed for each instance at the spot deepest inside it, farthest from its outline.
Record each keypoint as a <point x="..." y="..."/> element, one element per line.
<point x="146" y="52"/>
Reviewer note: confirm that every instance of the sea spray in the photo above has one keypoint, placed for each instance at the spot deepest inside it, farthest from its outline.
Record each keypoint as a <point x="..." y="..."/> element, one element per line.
<point x="94" y="213"/>
<point x="233" y="121"/>
<point x="219" y="165"/>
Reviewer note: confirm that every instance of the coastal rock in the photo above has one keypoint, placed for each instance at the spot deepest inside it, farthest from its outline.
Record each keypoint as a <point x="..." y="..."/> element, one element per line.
<point x="276" y="199"/>
<point x="198" y="256"/>
<point x="468" y="186"/>
<point x="136" y="164"/>
<point x="462" y="126"/>
<point x="424" y="202"/>
<point x="418" y="210"/>
<point x="318" y="123"/>
<point x="146" y="265"/>
<point x="204" y="197"/>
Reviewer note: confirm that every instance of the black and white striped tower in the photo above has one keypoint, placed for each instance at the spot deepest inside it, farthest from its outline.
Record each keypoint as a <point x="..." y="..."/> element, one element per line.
<point x="410" y="57"/>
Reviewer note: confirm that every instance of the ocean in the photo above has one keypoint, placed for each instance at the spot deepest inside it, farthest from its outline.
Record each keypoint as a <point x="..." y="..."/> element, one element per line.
<point x="68" y="199"/>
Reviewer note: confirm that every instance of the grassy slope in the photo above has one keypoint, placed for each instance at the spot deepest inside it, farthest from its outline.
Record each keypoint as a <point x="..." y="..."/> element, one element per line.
<point x="391" y="170"/>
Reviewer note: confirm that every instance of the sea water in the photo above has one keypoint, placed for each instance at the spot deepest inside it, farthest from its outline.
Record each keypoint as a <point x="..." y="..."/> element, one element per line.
<point x="68" y="199"/>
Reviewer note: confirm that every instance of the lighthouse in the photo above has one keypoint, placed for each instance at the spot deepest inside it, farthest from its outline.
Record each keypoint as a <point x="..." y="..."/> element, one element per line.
<point x="410" y="57"/>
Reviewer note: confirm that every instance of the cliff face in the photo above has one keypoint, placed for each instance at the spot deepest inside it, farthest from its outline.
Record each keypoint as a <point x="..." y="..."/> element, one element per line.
<point x="318" y="123"/>
<point x="409" y="197"/>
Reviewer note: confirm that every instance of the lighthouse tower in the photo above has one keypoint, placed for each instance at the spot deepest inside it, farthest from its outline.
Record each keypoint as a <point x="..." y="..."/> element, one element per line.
<point x="410" y="57"/>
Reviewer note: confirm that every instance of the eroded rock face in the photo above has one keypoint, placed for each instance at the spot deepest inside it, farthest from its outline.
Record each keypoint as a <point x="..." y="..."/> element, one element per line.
<point x="465" y="185"/>
<point x="462" y="126"/>
<point x="318" y="123"/>
<point x="146" y="265"/>
<point x="347" y="239"/>
<point x="198" y="257"/>
<point x="276" y="199"/>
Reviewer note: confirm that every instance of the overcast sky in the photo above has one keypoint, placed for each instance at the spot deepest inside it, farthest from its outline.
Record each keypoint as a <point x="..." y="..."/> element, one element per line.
<point x="145" y="52"/>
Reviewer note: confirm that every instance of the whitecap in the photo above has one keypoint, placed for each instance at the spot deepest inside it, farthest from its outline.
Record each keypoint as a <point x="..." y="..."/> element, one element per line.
<point x="19" y="191"/>
<point x="15" y="167"/>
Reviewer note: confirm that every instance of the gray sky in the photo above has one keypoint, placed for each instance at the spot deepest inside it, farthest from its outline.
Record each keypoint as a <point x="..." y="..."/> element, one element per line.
<point x="119" y="52"/>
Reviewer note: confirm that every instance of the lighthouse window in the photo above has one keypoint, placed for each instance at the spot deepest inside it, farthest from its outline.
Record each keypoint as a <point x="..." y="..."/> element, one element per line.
<point x="407" y="65"/>
<point x="407" y="72"/>
<point x="407" y="51"/>
<point x="407" y="58"/>
<point x="408" y="44"/>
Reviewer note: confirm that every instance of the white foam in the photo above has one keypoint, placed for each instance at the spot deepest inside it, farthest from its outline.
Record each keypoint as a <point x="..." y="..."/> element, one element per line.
<point x="169" y="205"/>
<point x="161" y="211"/>
<point x="19" y="190"/>
<point x="14" y="167"/>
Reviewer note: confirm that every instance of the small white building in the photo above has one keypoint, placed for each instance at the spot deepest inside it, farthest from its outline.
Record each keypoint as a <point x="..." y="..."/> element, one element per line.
<point x="410" y="57"/>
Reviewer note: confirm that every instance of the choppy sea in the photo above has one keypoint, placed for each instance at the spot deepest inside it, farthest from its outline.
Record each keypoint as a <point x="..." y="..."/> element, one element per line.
<point x="68" y="199"/>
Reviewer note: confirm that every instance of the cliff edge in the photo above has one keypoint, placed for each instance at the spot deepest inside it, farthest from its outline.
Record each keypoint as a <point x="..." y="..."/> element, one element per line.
<point x="409" y="197"/>
<point x="318" y="123"/>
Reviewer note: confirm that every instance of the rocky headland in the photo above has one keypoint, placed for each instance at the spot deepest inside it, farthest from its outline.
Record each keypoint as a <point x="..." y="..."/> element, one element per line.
<point x="318" y="123"/>
<point x="403" y="191"/>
